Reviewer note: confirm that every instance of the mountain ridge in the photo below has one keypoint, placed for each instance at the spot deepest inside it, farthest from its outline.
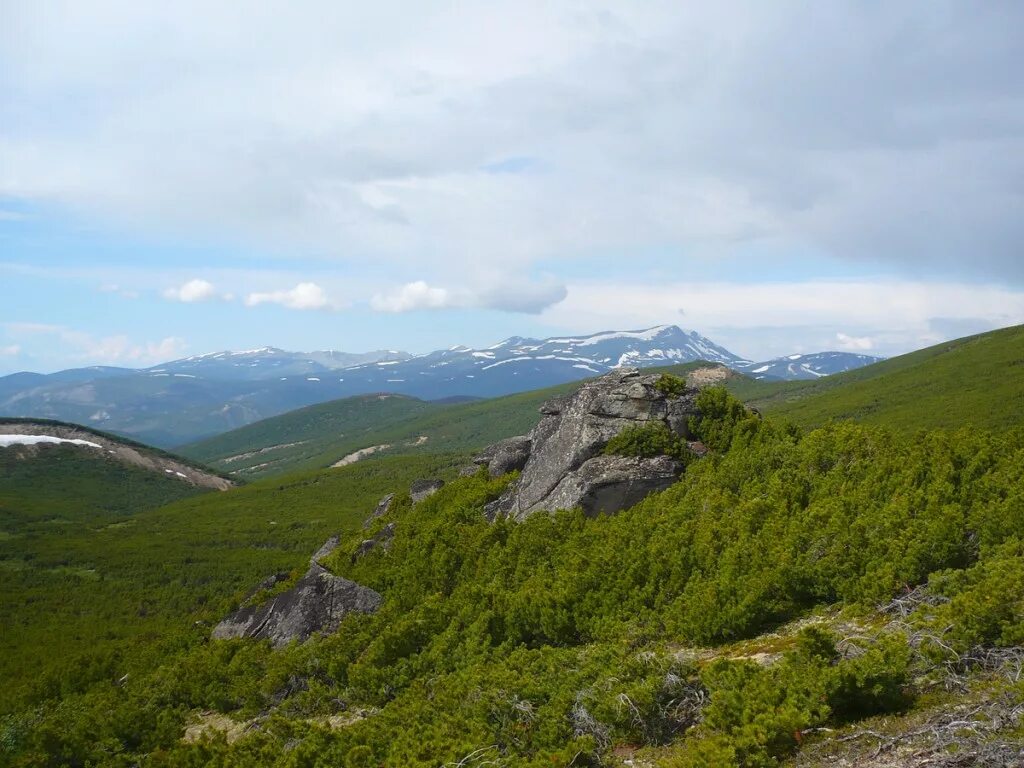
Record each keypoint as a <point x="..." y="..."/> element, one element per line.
<point x="185" y="400"/>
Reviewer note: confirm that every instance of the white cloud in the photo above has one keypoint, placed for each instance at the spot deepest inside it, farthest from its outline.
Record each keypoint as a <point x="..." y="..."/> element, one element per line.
<point x="762" y="320"/>
<point x="854" y="343"/>
<point x="192" y="291"/>
<point x="614" y="126"/>
<point x="10" y="350"/>
<point x="507" y="295"/>
<point x="79" y="346"/>
<point x="411" y="297"/>
<point x="114" y="288"/>
<point x="302" y="296"/>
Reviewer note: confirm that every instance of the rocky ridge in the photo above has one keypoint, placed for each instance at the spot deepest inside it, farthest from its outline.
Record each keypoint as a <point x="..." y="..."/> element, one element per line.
<point x="561" y="460"/>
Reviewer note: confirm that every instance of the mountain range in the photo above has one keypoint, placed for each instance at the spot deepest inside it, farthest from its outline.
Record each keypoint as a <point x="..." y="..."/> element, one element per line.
<point x="203" y="395"/>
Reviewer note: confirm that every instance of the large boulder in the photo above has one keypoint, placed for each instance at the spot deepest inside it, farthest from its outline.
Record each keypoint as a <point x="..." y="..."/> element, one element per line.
<point x="572" y="433"/>
<point x="607" y="484"/>
<point x="317" y="603"/>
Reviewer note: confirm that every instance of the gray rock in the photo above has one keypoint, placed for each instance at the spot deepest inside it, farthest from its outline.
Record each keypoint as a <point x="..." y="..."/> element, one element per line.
<point x="469" y="470"/>
<point x="325" y="549"/>
<point x="421" y="489"/>
<point x="382" y="540"/>
<point x="383" y="507"/>
<point x="268" y="583"/>
<point x="506" y="456"/>
<point x="606" y="484"/>
<point x="317" y="603"/>
<point x="574" y="430"/>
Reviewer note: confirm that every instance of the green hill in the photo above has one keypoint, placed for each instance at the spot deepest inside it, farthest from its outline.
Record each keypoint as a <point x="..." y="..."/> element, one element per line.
<point x="106" y="569"/>
<point x="976" y="381"/>
<point x="320" y="435"/>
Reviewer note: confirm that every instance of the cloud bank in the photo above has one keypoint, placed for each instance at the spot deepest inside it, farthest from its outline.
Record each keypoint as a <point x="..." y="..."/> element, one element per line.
<point x="529" y="131"/>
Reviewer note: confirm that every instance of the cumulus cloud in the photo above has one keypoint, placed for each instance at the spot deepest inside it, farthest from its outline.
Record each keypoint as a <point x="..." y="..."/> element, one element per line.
<point x="854" y="343"/>
<point x="410" y="297"/>
<point x="531" y="130"/>
<point x="302" y="296"/>
<point x="508" y="295"/>
<point x="192" y="291"/>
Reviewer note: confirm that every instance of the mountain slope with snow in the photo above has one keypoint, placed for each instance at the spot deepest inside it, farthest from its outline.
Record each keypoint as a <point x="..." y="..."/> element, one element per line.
<point x="204" y="395"/>
<point x="807" y="367"/>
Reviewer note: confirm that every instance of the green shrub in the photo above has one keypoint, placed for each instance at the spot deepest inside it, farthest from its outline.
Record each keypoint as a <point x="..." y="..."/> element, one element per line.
<point x="670" y="385"/>
<point x="647" y="441"/>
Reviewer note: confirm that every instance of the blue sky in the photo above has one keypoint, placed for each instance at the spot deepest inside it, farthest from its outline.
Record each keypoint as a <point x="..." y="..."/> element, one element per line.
<point x="776" y="176"/>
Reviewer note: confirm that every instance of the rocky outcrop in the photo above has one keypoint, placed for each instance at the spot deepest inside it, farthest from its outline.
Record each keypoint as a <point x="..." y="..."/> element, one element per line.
<point x="381" y="539"/>
<point x="607" y="484"/>
<point x="421" y="489"/>
<point x="325" y="549"/>
<point x="383" y="507"/>
<point x="506" y="456"/>
<point x="564" y="465"/>
<point x="317" y="603"/>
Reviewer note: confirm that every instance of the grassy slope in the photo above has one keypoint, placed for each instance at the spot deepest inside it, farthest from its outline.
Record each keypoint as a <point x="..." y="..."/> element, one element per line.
<point x="975" y="381"/>
<point x="289" y="441"/>
<point x="329" y="431"/>
<point x="141" y="447"/>
<point x="84" y="581"/>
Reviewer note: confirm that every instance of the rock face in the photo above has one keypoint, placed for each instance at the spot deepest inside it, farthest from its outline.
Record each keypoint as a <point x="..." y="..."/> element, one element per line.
<point x="317" y="603"/>
<point x="611" y="483"/>
<point x="564" y="466"/>
<point x="421" y="489"/>
<point x="506" y="456"/>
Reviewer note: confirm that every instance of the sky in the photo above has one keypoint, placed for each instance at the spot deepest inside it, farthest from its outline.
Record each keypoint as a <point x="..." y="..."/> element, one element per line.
<point x="185" y="177"/>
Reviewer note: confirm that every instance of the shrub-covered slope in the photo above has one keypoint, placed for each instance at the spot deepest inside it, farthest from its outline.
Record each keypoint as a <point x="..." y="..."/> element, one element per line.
<point x="976" y="381"/>
<point x="562" y="640"/>
<point x="97" y="579"/>
<point x="320" y="435"/>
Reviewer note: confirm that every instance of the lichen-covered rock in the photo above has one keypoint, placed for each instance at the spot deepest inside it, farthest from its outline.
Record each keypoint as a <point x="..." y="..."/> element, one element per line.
<point x="317" y="603"/>
<point x="506" y="456"/>
<point x="611" y="483"/>
<point x="573" y="431"/>
<point x="421" y="489"/>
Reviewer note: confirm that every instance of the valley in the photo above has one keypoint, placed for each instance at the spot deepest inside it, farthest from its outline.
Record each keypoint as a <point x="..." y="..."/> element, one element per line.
<point x="837" y="559"/>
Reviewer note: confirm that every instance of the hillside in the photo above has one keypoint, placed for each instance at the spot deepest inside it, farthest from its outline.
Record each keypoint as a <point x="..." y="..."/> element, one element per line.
<point x="321" y="435"/>
<point x="183" y="401"/>
<point x="823" y="598"/>
<point x="31" y="439"/>
<point x="974" y="381"/>
<point x="108" y="570"/>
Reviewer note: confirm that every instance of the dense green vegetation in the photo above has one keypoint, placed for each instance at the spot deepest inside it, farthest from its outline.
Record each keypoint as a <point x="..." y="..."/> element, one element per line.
<point x="97" y="581"/>
<point x="977" y="381"/>
<point x="550" y="641"/>
<point x="320" y="435"/>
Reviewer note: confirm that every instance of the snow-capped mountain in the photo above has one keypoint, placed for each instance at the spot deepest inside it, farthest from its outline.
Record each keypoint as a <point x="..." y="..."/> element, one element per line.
<point x="202" y="395"/>
<point x="268" y="363"/>
<point x="803" y="367"/>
